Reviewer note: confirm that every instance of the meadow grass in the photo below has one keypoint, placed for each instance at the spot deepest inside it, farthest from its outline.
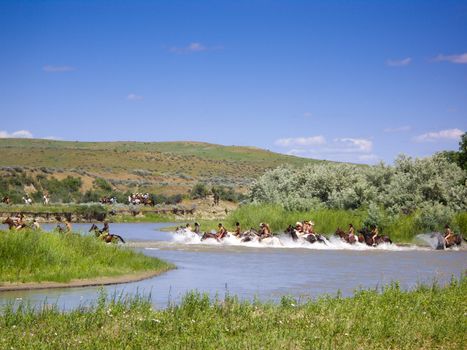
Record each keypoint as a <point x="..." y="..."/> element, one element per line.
<point x="32" y="256"/>
<point x="425" y="318"/>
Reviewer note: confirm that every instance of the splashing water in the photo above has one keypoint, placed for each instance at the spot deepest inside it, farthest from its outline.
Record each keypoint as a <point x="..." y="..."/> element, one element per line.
<point x="284" y="241"/>
<point x="434" y="240"/>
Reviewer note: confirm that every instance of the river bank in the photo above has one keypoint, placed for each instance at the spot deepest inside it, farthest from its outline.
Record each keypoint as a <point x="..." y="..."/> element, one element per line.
<point x="427" y="317"/>
<point x="35" y="259"/>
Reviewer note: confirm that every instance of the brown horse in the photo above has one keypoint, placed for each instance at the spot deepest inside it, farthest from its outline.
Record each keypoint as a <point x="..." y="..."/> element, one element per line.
<point x="13" y="225"/>
<point x="365" y="236"/>
<point x="109" y="238"/>
<point x="454" y="240"/>
<point x="351" y="239"/>
<point x="6" y="200"/>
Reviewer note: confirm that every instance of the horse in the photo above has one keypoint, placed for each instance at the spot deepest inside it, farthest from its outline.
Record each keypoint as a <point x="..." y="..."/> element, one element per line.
<point x="454" y="240"/>
<point x="109" y="238"/>
<point x="345" y="236"/>
<point x="365" y="236"/>
<point x="6" y="200"/>
<point x="309" y="237"/>
<point x="14" y="225"/>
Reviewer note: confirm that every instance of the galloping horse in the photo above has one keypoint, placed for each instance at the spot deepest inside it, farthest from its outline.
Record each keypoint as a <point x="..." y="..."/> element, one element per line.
<point x="345" y="236"/>
<point x="455" y="239"/>
<point x="13" y="225"/>
<point x="365" y="236"/>
<point x="309" y="237"/>
<point x="109" y="238"/>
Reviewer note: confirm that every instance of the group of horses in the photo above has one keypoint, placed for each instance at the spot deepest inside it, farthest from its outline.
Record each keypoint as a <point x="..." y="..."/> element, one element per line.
<point x="140" y="198"/>
<point x="16" y="224"/>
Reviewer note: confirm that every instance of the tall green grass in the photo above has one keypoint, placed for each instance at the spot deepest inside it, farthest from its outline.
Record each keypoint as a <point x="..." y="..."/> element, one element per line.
<point x="31" y="256"/>
<point x="426" y="318"/>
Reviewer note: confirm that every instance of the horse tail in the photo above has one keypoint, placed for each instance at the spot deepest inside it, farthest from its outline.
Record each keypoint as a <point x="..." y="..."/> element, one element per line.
<point x="120" y="238"/>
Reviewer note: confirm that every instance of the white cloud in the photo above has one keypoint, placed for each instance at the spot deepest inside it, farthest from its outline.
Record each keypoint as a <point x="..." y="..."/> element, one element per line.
<point x="57" y="69"/>
<point x="301" y="141"/>
<point x="461" y="58"/>
<point x="134" y="97"/>
<point x="23" y="134"/>
<point x="448" y="134"/>
<point x="399" y="63"/>
<point x="194" y="47"/>
<point x="355" y="145"/>
<point x="399" y="129"/>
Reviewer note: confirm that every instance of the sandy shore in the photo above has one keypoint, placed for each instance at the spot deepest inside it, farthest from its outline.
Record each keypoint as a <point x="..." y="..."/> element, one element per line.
<point x="86" y="282"/>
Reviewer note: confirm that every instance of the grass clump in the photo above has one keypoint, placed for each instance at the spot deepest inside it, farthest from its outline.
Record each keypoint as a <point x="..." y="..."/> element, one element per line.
<point x="31" y="256"/>
<point x="426" y="318"/>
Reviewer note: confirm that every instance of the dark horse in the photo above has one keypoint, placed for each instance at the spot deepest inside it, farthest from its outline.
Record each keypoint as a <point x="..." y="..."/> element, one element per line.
<point x="13" y="225"/>
<point x="6" y="200"/>
<point x="351" y="239"/>
<point x="365" y="236"/>
<point x="109" y="238"/>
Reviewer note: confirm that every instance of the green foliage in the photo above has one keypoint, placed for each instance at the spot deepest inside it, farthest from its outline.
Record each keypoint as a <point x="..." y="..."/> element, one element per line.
<point x="460" y="157"/>
<point x="92" y="212"/>
<point x="31" y="256"/>
<point x="425" y="318"/>
<point x="199" y="191"/>
<point x="102" y="184"/>
<point x="401" y="189"/>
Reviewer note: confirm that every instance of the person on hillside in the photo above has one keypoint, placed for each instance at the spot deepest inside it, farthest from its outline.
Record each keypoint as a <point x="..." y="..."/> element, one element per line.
<point x="374" y="233"/>
<point x="447" y="234"/>
<point x="197" y="228"/>
<point x="221" y="231"/>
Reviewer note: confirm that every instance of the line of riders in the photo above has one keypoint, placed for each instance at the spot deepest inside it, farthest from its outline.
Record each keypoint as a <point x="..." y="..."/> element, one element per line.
<point x="17" y="223"/>
<point x="27" y="200"/>
<point x="306" y="231"/>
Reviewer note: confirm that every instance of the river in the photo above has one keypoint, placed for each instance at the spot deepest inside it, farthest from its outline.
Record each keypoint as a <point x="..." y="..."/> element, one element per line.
<point x="262" y="271"/>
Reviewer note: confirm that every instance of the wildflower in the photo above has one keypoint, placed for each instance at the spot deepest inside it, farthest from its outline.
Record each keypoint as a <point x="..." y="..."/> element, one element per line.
<point x="346" y="334"/>
<point x="292" y="304"/>
<point x="156" y="320"/>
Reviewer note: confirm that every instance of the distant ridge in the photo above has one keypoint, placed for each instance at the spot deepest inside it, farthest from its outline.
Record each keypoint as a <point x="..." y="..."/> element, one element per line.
<point x="167" y="167"/>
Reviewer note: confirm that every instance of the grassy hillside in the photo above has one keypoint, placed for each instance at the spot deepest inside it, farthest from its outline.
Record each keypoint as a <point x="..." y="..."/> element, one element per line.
<point x="166" y="167"/>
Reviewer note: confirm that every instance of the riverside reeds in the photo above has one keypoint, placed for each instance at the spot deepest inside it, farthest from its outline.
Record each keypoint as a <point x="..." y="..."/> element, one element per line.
<point x="36" y="256"/>
<point x="426" y="318"/>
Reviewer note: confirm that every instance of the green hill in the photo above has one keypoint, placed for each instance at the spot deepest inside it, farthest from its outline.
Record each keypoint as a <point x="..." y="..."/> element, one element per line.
<point x="161" y="167"/>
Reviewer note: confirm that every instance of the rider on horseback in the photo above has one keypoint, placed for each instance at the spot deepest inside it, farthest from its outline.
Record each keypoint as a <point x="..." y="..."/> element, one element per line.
<point x="238" y="231"/>
<point x="447" y="233"/>
<point x="351" y="232"/>
<point x="264" y="231"/>
<point x="374" y="233"/>
<point x="221" y="231"/>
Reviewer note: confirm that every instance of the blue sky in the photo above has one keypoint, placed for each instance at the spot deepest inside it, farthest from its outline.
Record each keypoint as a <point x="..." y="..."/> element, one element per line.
<point x="351" y="81"/>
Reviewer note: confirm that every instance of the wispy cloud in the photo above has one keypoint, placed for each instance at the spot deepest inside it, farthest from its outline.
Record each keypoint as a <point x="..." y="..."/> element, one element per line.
<point x="404" y="128"/>
<point x="448" y="134"/>
<point x="460" y="59"/>
<point x="347" y="149"/>
<point x="134" y="97"/>
<point x="399" y="63"/>
<point x="301" y="141"/>
<point x="57" y="69"/>
<point x="193" y="48"/>
<point x="355" y="145"/>
<point x="23" y="134"/>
